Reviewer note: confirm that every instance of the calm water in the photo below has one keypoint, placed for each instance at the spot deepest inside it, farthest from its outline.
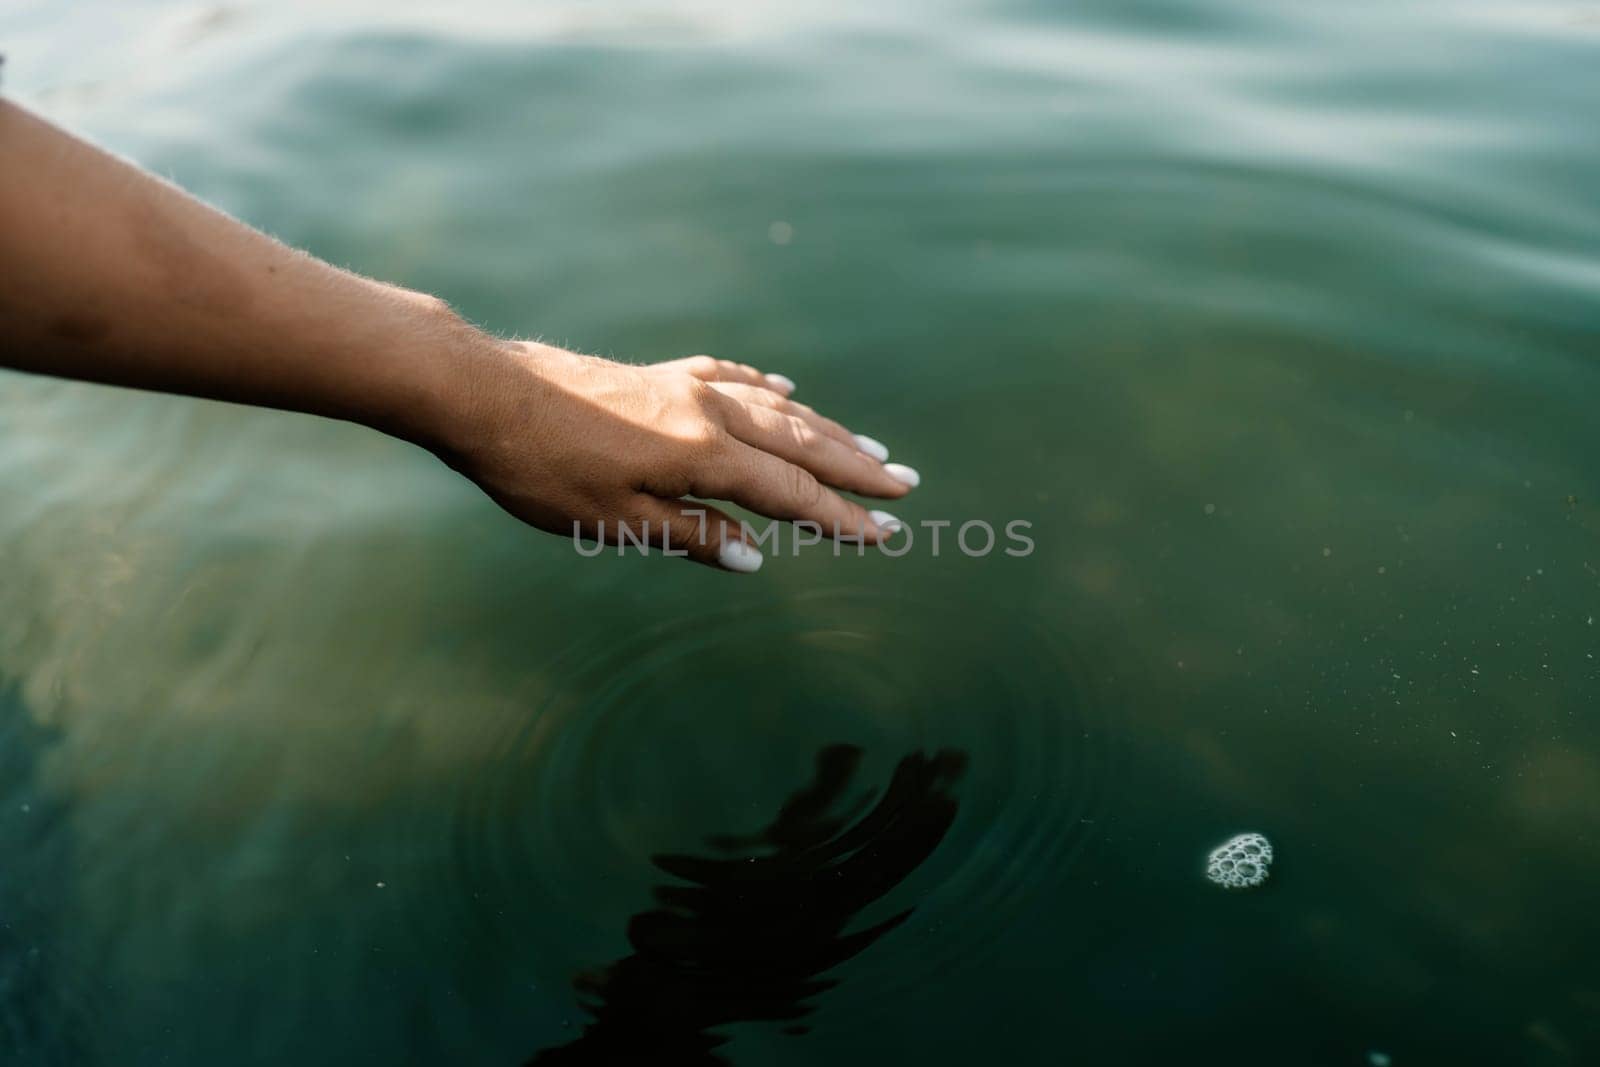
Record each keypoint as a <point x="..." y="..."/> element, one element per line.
<point x="1278" y="321"/>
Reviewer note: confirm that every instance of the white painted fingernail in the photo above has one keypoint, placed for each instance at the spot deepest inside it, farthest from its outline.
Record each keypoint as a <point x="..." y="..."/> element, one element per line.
<point x="885" y="521"/>
<point x="781" y="383"/>
<point x="738" y="556"/>
<point x="871" y="447"/>
<point x="903" y="474"/>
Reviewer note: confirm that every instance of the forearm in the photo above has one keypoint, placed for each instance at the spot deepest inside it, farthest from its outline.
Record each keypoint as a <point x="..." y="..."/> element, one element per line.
<point x="109" y="274"/>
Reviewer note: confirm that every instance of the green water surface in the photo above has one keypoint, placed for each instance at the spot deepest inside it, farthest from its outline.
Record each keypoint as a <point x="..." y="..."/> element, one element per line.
<point x="1279" y="321"/>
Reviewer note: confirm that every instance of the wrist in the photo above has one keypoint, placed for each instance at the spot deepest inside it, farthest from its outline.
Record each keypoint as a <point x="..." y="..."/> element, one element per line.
<point x="445" y="377"/>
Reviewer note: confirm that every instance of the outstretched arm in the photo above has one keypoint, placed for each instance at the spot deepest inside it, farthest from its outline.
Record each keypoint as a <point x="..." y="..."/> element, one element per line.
<point x="109" y="274"/>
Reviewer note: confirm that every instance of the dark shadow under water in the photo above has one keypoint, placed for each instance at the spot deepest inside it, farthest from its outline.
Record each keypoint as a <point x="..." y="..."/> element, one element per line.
<point x="753" y="932"/>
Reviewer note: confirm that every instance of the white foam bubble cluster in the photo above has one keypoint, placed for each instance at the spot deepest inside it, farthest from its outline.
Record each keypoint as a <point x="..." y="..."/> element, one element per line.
<point x="1240" y="863"/>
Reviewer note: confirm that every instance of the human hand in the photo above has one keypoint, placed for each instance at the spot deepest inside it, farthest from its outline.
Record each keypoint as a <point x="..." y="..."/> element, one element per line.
<point x="570" y="442"/>
<point x="123" y="279"/>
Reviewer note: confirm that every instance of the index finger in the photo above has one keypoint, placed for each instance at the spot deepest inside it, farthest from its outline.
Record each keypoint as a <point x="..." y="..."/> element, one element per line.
<point x="711" y="369"/>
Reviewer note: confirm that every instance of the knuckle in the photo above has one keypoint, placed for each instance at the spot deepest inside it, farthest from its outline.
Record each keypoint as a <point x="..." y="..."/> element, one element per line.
<point x="696" y="396"/>
<point x="674" y="483"/>
<point x="703" y="438"/>
<point x="696" y="423"/>
<point x="804" y="487"/>
<point x="684" y="530"/>
<point x="700" y="365"/>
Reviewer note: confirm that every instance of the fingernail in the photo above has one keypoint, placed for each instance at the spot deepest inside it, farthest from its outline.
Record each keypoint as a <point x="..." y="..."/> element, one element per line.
<point x="903" y="474"/>
<point x="873" y="448"/>
<point x="781" y="383"/>
<point x="885" y="521"/>
<point x="738" y="556"/>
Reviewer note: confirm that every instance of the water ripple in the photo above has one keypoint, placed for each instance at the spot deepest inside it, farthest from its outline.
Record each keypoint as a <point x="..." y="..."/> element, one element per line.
<point x="623" y="762"/>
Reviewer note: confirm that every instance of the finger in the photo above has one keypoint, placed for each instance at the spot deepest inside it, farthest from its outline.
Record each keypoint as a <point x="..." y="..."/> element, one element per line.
<point x="711" y="369"/>
<point x="792" y="438"/>
<point x="700" y="533"/>
<point x="859" y="441"/>
<point x="774" y="487"/>
<point x="768" y="399"/>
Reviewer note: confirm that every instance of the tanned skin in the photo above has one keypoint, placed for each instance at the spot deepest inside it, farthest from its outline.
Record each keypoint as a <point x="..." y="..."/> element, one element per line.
<point x="109" y="274"/>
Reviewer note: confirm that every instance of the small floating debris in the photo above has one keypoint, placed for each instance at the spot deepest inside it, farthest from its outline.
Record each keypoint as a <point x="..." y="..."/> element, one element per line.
<point x="1241" y="862"/>
<point x="1379" y="1059"/>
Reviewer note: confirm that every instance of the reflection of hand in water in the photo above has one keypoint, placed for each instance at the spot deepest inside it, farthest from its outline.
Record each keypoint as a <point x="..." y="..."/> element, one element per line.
<point x="751" y="935"/>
